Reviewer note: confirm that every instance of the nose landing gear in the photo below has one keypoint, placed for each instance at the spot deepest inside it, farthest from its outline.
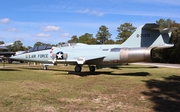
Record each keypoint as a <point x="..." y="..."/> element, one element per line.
<point x="45" y="67"/>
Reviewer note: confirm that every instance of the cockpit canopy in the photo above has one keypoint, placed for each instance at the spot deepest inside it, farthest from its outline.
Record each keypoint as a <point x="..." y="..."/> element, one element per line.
<point x="39" y="48"/>
<point x="71" y="44"/>
<point x="46" y="47"/>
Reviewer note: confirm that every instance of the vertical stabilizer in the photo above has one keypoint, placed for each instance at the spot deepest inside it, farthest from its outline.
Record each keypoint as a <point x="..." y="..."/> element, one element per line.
<point x="149" y="35"/>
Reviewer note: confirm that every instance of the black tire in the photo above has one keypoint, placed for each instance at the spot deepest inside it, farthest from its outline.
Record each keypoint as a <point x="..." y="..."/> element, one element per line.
<point x="9" y="61"/>
<point x="92" y="68"/>
<point x="77" y="68"/>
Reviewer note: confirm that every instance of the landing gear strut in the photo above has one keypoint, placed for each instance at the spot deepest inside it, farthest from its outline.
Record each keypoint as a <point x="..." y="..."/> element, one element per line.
<point x="78" y="68"/>
<point x="92" y="68"/>
<point x="45" y="67"/>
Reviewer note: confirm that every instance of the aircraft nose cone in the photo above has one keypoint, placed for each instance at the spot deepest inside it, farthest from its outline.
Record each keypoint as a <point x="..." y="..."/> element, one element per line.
<point x="13" y="57"/>
<point x="16" y="57"/>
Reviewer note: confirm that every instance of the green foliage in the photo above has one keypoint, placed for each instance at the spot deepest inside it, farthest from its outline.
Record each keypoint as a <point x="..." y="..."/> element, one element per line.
<point x="87" y="39"/>
<point x="29" y="47"/>
<point x="74" y="39"/>
<point x="18" y="46"/>
<point x="103" y="34"/>
<point x="170" y="55"/>
<point x="175" y="39"/>
<point x="1" y="42"/>
<point x="119" y="41"/>
<point x="110" y="42"/>
<point x="165" y="23"/>
<point x="125" y="30"/>
<point x="40" y="43"/>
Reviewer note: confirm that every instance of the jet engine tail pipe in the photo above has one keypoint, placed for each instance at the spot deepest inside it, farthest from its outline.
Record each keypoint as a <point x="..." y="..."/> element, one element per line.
<point x="128" y="55"/>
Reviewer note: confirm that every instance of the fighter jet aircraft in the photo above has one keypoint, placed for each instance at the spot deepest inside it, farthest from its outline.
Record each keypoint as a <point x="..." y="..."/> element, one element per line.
<point x="4" y="47"/>
<point x="137" y="48"/>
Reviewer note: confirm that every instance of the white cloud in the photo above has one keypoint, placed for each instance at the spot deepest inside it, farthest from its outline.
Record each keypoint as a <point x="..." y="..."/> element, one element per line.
<point x="5" y="20"/>
<point x="65" y="35"/>
<point x="83" y="11"/>
<point x="11" y="30"/>
<point x="43" y="35"/>
<point x="91" y="12"/>
<point x="51" y="28"/>
<point x="97" y="13"/>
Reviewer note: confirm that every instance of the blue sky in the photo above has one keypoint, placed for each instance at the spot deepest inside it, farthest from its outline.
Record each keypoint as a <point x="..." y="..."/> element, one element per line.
<point x="54" y="21"/>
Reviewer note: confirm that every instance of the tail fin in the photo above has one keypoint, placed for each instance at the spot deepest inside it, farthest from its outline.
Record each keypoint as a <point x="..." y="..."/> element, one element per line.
<point x="150" y="35"/>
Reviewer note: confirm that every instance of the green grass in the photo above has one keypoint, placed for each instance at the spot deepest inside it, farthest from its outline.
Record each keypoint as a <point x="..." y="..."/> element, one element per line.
<point x="127" y="88"/>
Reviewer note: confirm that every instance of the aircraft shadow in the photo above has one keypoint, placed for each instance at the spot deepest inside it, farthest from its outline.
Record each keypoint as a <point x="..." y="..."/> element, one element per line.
<point x="8" y="69"/>
<point x="133" y="74"/>
<point x="166" y="95"/>
<point x="83" y="74"/>
<point x="87" y="73"/>
<point x="130" y="67"/>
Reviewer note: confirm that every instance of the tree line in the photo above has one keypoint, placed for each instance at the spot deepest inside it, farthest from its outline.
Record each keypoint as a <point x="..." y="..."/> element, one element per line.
<point x="170" y="55"/>
<point x="103" y="36"/>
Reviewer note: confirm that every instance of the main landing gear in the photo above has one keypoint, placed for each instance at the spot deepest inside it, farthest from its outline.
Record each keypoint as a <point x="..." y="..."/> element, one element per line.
<point x="78" y="68"/>
<point x="92" y="68"/>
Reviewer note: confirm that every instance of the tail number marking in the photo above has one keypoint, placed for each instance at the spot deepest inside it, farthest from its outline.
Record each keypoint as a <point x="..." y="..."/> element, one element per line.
<point x="143" y="35"/>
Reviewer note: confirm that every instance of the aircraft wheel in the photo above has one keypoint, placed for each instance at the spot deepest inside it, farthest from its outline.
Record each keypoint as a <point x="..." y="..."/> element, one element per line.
<point x="45" y="67"/>
<point x="78" y="68"/>
<point x="92" y="68"/>
<point x="9" y="61"/>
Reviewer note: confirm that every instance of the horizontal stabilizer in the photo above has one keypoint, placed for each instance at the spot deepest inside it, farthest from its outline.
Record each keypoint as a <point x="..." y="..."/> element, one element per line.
<point x="153" y="26"/>
<point x="162" y="46"/>
<point x="167" y="30"/>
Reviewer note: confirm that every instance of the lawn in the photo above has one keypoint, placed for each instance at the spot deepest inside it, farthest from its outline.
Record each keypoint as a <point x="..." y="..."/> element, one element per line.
<point x="132" y="88"/>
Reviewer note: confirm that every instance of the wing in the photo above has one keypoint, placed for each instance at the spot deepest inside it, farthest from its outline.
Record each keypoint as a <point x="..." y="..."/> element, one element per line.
<point x="7" y="53"/>
<point x="81" y="60"/>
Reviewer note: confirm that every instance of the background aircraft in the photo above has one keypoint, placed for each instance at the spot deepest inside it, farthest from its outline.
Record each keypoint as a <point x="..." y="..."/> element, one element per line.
<point x="4" y="47"/>
<point x="5" y="54"/>
<point x="137" y="48"/>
